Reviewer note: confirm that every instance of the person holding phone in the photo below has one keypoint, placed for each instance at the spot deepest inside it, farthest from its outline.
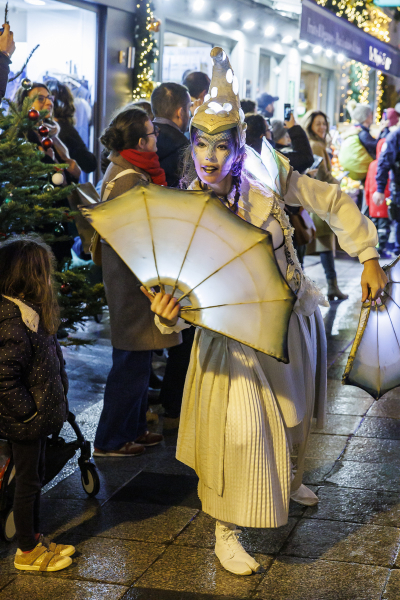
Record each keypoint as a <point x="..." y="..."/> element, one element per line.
<point x="42" y="100"/>
<point x="7" y="49"/>
<point x="291" y="140"/>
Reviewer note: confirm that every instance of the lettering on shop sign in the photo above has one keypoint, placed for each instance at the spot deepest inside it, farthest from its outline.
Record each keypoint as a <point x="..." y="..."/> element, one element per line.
<point x="322" y="27"/>
<point x="330" y="38"/>
<point x="381" y="60"/>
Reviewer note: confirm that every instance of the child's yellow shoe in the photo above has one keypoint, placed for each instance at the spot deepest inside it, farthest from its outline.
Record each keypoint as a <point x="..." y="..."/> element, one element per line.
<point x="64" y="550"/>
<point x="40" y="559"/>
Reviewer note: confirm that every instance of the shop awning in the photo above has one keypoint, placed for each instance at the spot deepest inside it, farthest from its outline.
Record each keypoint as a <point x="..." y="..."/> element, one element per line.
<point x="322" y="27"/>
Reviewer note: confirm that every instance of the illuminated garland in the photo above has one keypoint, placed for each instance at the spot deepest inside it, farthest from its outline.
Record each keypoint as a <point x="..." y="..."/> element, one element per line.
<point x="355" y="79"/>
<point x="362" y="13"/>
<point x="379" y="95"/>
<point x="145" y="50"/>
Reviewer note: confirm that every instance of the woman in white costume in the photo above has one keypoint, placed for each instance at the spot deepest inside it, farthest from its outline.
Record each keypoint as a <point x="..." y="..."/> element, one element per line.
<point x="242" y="410"/>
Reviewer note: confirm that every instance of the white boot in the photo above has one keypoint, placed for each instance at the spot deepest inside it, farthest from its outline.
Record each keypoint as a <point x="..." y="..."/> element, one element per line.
<point x="230" y="551"/>
<point x="304" y="496"/>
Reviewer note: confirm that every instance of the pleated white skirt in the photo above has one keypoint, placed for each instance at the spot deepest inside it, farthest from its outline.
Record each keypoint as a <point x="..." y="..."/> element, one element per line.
<point x="256" y="490"/>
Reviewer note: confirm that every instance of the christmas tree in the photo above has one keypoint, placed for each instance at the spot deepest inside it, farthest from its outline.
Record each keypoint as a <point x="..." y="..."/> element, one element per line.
<point x="29" y="202"/>
<point x="145" y="50"/>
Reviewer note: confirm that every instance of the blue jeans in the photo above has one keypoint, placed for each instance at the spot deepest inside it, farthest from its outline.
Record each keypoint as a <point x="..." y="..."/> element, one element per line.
<point x="123" y="418"/>
<point x="328" y="262"/>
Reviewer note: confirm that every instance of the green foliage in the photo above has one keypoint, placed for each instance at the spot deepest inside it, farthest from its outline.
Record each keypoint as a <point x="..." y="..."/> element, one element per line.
<point x="25" y="206"/>
<point x="81" y="298"/>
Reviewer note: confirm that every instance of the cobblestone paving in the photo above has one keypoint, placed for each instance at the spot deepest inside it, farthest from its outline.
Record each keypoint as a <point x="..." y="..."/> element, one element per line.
<point x="145" y="538"/>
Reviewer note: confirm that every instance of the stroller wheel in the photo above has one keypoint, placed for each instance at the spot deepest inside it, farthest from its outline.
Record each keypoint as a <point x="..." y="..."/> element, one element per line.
<point x="92" y="485"/>
<point x="8" y="526"/>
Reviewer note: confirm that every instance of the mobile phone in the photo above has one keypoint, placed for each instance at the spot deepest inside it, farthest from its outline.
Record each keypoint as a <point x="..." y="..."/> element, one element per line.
<point x="287" y="111"/>
<point x="317" y="161"/>
<point x="384" y="117"/>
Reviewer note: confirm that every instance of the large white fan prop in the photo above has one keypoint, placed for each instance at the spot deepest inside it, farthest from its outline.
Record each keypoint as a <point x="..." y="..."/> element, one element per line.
<point x="222" y="269"/>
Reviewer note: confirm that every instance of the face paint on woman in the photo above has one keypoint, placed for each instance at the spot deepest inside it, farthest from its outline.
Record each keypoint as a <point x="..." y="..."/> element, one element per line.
<point x="213" y="155"/>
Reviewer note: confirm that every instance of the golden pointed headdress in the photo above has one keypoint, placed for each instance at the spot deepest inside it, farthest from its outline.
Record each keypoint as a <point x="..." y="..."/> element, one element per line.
<point x="221" y="109"/>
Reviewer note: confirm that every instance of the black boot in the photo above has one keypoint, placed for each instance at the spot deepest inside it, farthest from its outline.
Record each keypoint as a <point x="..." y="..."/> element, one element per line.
<point x="334" y="292"/>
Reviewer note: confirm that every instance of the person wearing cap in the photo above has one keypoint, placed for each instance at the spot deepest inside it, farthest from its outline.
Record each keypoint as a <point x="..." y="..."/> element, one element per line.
<point x="266" y="105"/>
<point x="292" y="141"/>
<point x="242" y="410"/>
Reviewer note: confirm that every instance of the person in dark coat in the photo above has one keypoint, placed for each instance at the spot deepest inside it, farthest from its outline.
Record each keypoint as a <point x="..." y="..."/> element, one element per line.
<point x="389" y="162"/>
<point x="170" y="103"/>
<point x="33" y="388"/>
<point x="257" y="130"/>
<point x="7" y="48"/>
<point x="291" y="140"/>
<point x="63" y="112"/>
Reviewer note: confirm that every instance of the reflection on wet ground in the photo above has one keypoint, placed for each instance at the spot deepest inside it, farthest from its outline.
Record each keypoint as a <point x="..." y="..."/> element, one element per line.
<point x="144" y="536"/>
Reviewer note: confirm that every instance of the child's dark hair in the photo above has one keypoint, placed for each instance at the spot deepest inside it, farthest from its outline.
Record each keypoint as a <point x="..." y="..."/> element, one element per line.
<point x="189" y="172"/>
<point x="126" y="129"/>
<point x="26" y="273"/>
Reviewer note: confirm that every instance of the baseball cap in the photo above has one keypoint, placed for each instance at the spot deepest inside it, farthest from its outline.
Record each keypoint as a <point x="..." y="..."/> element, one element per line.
<point x="266" y="99"/>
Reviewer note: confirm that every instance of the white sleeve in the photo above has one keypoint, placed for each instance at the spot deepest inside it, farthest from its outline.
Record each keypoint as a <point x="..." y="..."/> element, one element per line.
<point x="356" y="233"/>
<point x="180" y="325"/>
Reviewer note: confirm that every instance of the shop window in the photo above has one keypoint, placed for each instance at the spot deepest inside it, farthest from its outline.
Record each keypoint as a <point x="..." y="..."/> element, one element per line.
<point x="264" y="74"/>
<point x="182" y="54"/>
<point x="312" y="93"/>
<point x="67" y="52"/>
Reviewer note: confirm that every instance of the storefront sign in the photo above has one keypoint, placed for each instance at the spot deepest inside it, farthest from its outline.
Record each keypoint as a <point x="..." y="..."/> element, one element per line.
<point x="390" y="3"/>
<point x="322" y="27"/>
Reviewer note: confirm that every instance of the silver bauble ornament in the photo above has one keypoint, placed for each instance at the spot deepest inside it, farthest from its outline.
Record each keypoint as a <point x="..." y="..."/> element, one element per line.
<point x="48" y="187"/>
<point x="26" y="84"/>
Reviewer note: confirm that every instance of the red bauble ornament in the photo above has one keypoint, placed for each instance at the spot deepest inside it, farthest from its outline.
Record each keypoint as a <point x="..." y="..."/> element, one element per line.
<point x="33" y="114"/>
<point x="43" y="130"/>
<point x="65" y="288"/>
<point x="47" y="143"/>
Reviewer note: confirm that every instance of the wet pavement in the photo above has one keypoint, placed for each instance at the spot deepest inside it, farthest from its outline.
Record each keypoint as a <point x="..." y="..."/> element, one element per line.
<point x="144" y="537"/>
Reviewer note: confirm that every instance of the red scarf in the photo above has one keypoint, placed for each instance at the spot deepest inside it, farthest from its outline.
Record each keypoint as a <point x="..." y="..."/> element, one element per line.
<point x="148" y="161"/>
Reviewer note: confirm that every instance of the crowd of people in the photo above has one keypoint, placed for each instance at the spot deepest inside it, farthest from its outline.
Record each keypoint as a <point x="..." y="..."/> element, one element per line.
<point x="235" y="400"/>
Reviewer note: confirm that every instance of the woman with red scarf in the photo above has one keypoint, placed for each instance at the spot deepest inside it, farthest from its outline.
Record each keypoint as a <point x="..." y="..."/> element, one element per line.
<point x="131" y="139"/>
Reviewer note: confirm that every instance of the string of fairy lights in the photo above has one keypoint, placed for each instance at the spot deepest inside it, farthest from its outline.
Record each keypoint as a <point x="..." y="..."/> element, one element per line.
<point x="362" y="13"/>
<point x="379" y="94"/>
<point x="146" y="52"/>
<point x="356" y="76"/>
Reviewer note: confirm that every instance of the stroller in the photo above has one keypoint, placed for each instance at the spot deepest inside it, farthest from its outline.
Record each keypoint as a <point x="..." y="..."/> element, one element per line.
<point x="58" y="453"/>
